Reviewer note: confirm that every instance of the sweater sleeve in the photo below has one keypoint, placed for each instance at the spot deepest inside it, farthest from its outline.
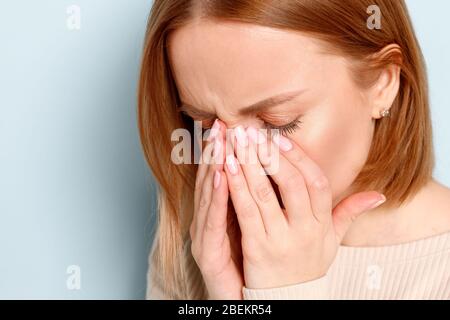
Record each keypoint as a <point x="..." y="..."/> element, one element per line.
<point x="317" y="289"/>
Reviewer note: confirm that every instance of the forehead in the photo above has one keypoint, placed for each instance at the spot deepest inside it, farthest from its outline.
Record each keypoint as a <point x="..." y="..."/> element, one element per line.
<point x="235" y="64"/>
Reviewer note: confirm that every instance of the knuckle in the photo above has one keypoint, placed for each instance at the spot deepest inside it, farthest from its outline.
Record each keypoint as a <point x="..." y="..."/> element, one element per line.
<point x="297" y="158"/>
<point x="209" y="226"/>
<point x="247" y="210"/>
<point x="237" y="186"/>
<point x="198" y="185"/>
<point x="214" y="226"/>
<point x="321" y="183"/>
<point x="293" y="182"/>
<point x="264" y="192"/>
<point x="203" y="202"/>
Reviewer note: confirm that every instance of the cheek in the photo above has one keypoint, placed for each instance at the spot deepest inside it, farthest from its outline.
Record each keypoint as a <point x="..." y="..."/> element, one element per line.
<point x="338" y="140"/>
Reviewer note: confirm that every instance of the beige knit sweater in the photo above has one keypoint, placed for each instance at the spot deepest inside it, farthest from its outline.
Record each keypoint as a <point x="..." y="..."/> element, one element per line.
<point x="413" y="270"/>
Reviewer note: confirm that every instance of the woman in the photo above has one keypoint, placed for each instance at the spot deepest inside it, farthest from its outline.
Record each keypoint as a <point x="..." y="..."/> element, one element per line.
<point x="351" y="210"/>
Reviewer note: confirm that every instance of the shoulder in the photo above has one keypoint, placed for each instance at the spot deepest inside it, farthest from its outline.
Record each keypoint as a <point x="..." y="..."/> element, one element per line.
<point x="436" y="207"/>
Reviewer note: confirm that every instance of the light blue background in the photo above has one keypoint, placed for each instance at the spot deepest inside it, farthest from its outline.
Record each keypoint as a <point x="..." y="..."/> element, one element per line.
<point x="74" y="187"/>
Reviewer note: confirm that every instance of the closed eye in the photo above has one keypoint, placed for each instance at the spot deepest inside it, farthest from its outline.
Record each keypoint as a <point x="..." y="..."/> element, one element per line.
<point x="285" y="130"/>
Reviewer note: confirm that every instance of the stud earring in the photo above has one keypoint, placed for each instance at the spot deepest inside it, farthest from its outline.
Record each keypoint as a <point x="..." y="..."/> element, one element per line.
<point x="385" y="113"/>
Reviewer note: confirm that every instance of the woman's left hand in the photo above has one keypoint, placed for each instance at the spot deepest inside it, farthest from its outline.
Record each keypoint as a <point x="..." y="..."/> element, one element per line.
<point x="297" y="243"/>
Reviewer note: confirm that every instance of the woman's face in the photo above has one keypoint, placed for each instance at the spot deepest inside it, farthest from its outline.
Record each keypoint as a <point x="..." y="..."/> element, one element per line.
<point x="222" y="68"/>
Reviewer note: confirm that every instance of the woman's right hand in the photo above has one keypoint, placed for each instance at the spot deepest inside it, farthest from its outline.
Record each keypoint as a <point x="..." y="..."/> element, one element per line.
<point x="213" y="243"/>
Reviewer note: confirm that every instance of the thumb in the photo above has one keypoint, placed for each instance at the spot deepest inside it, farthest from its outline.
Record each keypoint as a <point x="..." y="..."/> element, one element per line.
<point x="351" y="207"/>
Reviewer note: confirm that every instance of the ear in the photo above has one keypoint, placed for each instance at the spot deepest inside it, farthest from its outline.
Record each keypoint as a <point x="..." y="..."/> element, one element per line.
<point x="386" y="87"/>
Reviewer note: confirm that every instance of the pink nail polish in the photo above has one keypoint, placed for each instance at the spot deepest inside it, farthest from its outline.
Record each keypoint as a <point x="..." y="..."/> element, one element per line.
<point x="376" y="204"/>
<point x="216" y="179"/>
<point x="232" y="164"/>
<point x="214" y="130"/>
<point x="241" y="136"/>
<point x="282" y="142"/>
<point x="256" y="135"/>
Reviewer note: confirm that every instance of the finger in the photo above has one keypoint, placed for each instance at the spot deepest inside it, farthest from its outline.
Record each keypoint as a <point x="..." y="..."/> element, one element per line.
<point x="351" y="207"/>
<point x="217" y="130"/>
<point x="215" y="227"/>
<point x="289" y="180"/>
<point x="205" y="159"/>
<point x="247" y="212"/>
<point x="207" y="187"/>
<point x="202" y="169"/>
<point x="317" y="184"/>
<point x="258" y="183"/>
<point x="219" y="143"/>
<point x="206" y="156"/>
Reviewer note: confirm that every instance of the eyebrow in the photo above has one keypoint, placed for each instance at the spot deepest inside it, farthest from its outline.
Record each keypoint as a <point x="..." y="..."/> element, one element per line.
<point x="252" y="109"/>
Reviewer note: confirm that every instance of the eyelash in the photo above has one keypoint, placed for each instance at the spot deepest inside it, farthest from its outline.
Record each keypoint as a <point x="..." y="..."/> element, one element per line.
<point x="286" y="129"/>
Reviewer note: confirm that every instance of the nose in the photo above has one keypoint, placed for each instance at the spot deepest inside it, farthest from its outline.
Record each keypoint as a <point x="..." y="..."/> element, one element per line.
<point x="232" y="124"/>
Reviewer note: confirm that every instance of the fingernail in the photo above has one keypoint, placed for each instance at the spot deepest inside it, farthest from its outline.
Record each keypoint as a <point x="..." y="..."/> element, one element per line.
<point x="256" y="136"/>
<point x="241" y="136"/>
<point x="214" y="130"/>
<point x="232" y="164"/>
<point x="376" y="204"/>
<point x="282" y="142"/>
<point x="216" y="179"/>
<point x="217" y="148"/>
